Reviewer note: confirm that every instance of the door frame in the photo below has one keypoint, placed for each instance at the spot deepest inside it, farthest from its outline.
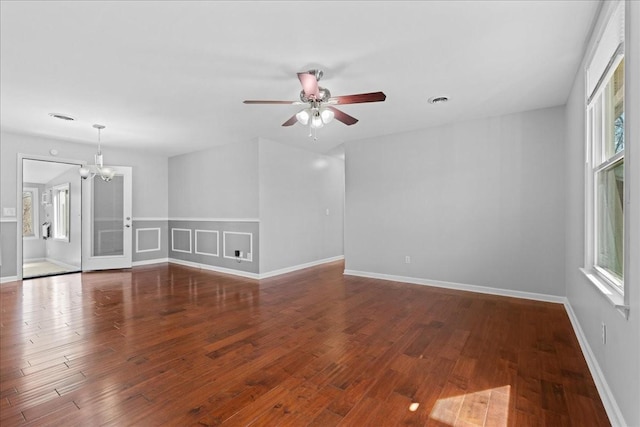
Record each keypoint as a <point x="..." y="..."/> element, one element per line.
<point x="19" y="180"/>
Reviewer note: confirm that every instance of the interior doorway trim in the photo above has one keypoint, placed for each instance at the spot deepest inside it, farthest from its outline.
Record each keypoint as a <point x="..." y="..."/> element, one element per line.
<point x="21" y="157"/>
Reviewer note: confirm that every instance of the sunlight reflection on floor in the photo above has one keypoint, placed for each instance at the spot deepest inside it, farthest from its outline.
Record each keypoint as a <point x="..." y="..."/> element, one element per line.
<point x="486" y="407"/>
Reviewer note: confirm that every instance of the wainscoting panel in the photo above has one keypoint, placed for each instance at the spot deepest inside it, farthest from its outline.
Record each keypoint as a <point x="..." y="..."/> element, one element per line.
<point x="181" y="240"/>
<point x="207" y="242"/>
<point x="150" y="241"/>
<point x="214" y="243"/>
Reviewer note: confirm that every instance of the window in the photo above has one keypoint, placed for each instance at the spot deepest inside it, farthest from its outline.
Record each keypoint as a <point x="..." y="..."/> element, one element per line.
<point x="605" y="174"/>
<point x="60" y="226"/>
<point x="30" y="213"/>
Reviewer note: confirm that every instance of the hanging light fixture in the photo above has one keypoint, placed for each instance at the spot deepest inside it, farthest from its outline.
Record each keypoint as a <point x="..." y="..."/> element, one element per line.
<point x="315" y="116"/>
<point x="98" y="168"/>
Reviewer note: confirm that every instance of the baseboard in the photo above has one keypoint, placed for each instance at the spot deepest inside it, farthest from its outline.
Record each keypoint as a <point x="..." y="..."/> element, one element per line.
<point x="25" y="261"/>
<point x="244" y="274"/>
<point x="460" y="286"/>
<point x="150" y="261"/>
<point x="7" y="279"/>
<point x="300" y="267"/>
<point x="613" y="411"/>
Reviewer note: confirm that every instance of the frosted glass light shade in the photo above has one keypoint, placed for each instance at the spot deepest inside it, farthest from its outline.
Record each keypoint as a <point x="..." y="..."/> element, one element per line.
<point x="327" y="115"/>
<point x="85" y="172"/>
<point x="316" y="121"/>
<point x="107" y="174"/>
<point x="303" y="117"/>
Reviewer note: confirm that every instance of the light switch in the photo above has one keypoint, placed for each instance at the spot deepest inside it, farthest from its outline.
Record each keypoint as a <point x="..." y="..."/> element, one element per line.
<point x="8" y="211"/>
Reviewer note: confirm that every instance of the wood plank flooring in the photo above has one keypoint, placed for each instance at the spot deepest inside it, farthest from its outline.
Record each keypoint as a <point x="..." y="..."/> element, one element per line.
<point x="177" y="346"/>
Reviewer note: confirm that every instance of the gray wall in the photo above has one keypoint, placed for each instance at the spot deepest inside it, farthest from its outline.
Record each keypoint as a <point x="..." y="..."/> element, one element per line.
<point x="476" y="203"/>
<point x="8" y="253"/>
<point x="221" y="182"/>
<point x="619" y="358"/>
<point x="297" y="187"/>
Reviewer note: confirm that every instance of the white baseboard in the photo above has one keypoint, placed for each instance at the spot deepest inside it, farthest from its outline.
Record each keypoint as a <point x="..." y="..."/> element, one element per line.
<point x="460" y="286"/>
<point x="300" y="267"/>
<point x="150" y="261"/>
<point x="24" y="261"/>
<point x="7" y="279"/>
<point x="254" y="275"/>
<point x="215" y="268"/>
<point x="613" y="411"/>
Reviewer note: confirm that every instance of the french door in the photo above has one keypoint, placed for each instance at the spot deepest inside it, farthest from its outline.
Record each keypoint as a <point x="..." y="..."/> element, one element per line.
<point x="106" y="221"/>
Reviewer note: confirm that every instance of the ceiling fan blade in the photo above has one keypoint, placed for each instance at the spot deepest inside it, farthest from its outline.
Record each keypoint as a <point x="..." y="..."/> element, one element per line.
<point x="309" y="84"/>
<point x="292" y="121"/>
<point x="358" y="98"/>
<point x="342" y="117"/>
<point x="254" y="101"/>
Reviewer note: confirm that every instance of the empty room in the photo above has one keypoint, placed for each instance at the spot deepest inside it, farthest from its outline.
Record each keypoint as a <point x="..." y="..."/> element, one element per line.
<point x="320" y="213"/>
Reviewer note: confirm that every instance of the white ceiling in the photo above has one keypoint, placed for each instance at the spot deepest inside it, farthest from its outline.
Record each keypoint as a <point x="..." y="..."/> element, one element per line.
<point x="171" y="76"/>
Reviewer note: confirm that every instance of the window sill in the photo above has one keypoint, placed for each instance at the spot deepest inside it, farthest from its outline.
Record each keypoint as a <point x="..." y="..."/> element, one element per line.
<point x="612" y="296"/>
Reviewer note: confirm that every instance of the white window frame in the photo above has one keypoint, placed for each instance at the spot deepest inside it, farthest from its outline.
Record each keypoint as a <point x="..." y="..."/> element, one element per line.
<point x="35" y="212"/>
<point x="55" y="225"/>
<point x="613" y="289"/>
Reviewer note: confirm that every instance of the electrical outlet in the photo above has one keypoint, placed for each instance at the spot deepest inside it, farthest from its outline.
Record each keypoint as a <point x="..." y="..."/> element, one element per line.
<point x="604" y="333"/>
<point x="8" y="211"/>
<point x="407" y="259"/>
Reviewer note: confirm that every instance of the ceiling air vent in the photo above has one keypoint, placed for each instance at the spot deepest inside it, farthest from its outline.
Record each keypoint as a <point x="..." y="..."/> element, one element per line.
<point x="62" y="116"/>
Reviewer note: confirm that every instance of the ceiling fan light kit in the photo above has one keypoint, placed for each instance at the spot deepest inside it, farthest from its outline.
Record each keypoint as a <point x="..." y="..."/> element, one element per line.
<point x="320" y="108"/>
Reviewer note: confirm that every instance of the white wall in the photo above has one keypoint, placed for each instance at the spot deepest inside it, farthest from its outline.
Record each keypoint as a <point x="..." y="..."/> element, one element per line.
<point x="221" y="182"/>
<point x="475" y="203"/>
<point x="618" y="359"/>
<point x="297" y="187"/>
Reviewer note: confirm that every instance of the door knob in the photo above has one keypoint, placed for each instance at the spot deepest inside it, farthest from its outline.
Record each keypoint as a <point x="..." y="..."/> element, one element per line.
<point x="127" y="225"/>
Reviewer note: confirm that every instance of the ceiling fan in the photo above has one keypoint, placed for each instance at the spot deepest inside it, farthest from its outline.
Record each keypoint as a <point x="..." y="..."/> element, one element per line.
<point x="319" y="103"/>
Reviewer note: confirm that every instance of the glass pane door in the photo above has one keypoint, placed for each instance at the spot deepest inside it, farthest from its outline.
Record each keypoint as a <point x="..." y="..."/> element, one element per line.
<point x="106" y="213"/>
<point x="108" y="217"/>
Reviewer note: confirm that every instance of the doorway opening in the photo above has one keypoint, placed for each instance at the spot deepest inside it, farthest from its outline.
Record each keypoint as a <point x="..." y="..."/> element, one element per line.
<point x="50" y="214"/>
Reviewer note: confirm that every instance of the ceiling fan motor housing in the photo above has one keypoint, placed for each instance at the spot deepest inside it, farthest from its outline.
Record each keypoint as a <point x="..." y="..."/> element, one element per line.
<point x="324" y="95"/>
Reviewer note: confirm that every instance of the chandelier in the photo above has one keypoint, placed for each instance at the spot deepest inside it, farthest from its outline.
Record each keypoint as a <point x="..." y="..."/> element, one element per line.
<point x="98" y="168"/>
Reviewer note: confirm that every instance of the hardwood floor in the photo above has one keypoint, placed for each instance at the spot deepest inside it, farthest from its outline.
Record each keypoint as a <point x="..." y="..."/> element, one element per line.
<point x="172" y="345"/>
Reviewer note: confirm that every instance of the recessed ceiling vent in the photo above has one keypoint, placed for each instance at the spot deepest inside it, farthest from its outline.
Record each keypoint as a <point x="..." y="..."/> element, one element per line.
<point x="62" y="116"/>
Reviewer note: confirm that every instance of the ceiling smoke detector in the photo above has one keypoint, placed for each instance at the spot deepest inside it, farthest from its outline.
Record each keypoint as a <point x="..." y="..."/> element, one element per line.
<point x="438" y="100"/>
<point x="62" y="116"/>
